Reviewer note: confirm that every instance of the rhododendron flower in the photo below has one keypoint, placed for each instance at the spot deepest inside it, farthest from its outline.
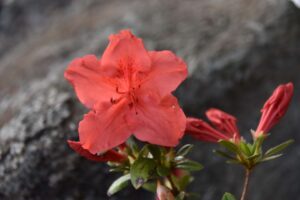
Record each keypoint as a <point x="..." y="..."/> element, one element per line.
<point x="128" y="92"/>
<point x="225" y="124"/>
<point x="274" y="108"/>
<point x="226" y="129"/>
<point x="109" y="156"/>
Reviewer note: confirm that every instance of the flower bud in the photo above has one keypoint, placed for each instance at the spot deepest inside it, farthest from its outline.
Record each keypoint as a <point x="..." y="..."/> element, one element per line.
<point x="203" y="131"/>
<point x="274" y="108"/>
<point x="163" y="193"/>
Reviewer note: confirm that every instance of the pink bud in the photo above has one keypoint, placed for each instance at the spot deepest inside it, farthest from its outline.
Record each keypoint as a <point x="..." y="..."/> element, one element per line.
<point x="163" y="193"/>
<point x="224" y="122"/>
<point x="274" y="108"/>
<point x="203" y="131"/>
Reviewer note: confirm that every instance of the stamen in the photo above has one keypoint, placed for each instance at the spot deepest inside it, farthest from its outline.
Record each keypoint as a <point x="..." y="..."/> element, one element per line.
<point x="114" y="101"/>
<point x="119" y="92"/>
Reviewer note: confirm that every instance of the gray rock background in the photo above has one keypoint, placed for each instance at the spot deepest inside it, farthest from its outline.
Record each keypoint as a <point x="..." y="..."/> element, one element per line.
<point x="237" y="51"/>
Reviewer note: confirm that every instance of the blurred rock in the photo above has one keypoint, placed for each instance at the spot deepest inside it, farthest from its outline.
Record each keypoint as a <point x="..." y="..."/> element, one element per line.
<point x="237" y="53"/>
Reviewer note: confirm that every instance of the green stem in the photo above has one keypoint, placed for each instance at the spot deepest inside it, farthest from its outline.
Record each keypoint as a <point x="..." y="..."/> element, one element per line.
<point x="174" y="189"/>
<point x="246" y="183"/>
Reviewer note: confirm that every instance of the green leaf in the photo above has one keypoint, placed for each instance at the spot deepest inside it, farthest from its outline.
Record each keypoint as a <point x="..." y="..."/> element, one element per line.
<point x="181" y="182"/>
<point x="245" y="149"/>
<point x="163" y="171"/>
<point x="179" y="158"/>
<point x="253" y="157"/>
<point x="271" y="157"/>
<point x="230" y="146"/>
<point x="189" y="165"/>
<point x="184" y="150"/>
<point x="228" y="196"/>
<point x="151" y="187"/>
<point x="278" y="148"/>
<point x="224" y="154"/>
<point x="141" y="170"/>
<point x="118" y="184"/>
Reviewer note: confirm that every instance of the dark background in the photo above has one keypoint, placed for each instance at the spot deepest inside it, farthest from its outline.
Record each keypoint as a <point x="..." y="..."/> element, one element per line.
<point x="237" y="52"/>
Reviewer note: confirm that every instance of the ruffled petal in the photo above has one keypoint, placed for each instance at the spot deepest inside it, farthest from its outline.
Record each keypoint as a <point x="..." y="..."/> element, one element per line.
<point x="201" y="130"/>
<point x="224" y="122"/>
<point x="160" y="122"/>
<point x="167" y="72"/>
<point x="89" y="84"/>
<point x="125" y="50"/>
<point x="105" y="127"/>
<point x="110" y="155"/>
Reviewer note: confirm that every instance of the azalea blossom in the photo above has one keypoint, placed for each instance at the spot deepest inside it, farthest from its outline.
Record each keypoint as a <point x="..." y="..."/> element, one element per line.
<point x="225" y="124"/>
<point x="109" y="156"/>
<point x="225" y="127"/>
<point x="275" y="108"/>
<point x="128" y="92"/>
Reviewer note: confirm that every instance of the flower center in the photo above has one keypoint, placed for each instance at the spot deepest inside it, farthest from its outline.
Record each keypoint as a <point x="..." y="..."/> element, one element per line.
<point x="128" y="82"/>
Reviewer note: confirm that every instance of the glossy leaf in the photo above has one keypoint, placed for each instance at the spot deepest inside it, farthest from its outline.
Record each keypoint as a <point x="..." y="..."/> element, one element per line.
<point x="224" y="154"/>
<point x="189" y="165"/>
<point x="278" y="148"/>
<point x="230" y="146"/>
<point x="150" y="186"/>
<point x="245" y="148"/>
<point x="184" y="150"/>
<point x="118" y="184"/>
<point x="181" y="182"/>
<point x="141" y="170"/>
<point x="271" y="157"/>
<point x="163" y="171"/>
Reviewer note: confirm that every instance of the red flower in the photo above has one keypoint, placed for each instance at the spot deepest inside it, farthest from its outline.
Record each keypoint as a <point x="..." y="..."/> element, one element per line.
<point x="128" y="92"/>
<point x="225" y="124"/>
<point x="111" y="155"/>
<point x="274" y="108"/>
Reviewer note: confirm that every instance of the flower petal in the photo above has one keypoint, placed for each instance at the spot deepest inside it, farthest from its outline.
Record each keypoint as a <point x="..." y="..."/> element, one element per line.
<point x="203" y="131"/>
<point x="160" y="122"/>
<point x="105" y="127"/>
<point x="274" y="108"/>
<point x="110" y="155"/>
<point x="125" y="49"/>
<point x="88" y="82"/>
<point x="167" y="72"/>
<point x="224" y="122"/>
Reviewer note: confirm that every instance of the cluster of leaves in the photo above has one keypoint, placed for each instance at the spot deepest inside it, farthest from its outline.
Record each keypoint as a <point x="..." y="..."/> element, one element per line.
<point x="250" y="154"/>
<point x="151" y="163"/>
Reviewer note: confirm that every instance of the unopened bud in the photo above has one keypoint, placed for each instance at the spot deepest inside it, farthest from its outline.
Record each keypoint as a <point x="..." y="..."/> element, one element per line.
<point x="163" y="193"/>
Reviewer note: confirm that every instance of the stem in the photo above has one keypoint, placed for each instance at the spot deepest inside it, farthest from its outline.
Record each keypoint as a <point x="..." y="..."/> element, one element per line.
<point x="246" y="183"/>
<point x="174" y="189"/>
